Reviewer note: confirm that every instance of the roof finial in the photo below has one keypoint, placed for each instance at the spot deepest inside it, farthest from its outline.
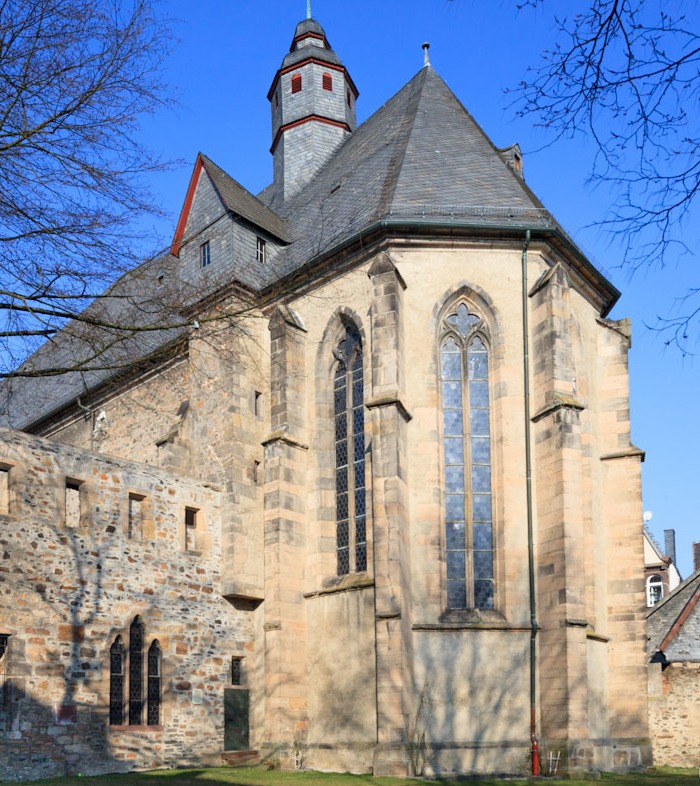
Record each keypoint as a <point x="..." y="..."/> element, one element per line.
<point x="426" y="56"/>
<point x="308" y="9"/>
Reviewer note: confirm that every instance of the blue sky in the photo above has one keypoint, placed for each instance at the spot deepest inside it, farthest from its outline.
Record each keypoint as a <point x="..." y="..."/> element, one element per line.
<point x="223" y="64"/>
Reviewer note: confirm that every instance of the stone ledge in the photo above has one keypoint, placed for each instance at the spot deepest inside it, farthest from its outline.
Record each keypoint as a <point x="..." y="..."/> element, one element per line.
<point x="135" y="728"/>
<point x="390" y="401"/>
<point x="631" y="452"/>
<point x="348" y="583"/>
<point x="561" y="401"/>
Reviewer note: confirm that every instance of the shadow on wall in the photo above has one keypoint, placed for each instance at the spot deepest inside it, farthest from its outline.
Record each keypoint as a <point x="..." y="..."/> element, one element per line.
<point x="42" y="741"/>
<point x="473" y="693"/>
<point x="68" y="594"/>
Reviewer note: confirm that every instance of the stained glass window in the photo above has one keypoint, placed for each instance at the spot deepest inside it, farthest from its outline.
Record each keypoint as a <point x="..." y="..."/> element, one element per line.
<point x="154" y="680"/>
<point x="466" y="440"/>
<point x="136" y="634"/>
<point x="349" y="420"/>
<point x="117" y="656"/>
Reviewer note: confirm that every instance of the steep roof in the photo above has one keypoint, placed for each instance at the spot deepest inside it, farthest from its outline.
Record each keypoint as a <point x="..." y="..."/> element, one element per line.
<point x="673" y="624"/>
<point x="420" y="161"/>
<point x="234" y="199"/>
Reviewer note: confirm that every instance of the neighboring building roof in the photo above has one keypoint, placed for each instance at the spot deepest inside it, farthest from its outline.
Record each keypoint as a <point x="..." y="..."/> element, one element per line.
<point x="673" y="624"/>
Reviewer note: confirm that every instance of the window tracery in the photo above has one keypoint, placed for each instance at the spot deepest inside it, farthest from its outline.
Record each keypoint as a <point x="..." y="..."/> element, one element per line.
<point x="466" y="442"/>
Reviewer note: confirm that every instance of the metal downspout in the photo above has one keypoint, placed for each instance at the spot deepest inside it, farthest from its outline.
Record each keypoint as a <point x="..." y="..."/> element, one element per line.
<point x="530" y="544"/>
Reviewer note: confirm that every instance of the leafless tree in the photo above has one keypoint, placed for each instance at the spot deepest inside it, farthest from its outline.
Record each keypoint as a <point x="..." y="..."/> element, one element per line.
<point x="76" y="77"/>
<point x="627" y="75"/>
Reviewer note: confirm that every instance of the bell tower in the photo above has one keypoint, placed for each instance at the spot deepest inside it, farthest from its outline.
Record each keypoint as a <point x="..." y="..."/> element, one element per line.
<point x="312" y="99"/>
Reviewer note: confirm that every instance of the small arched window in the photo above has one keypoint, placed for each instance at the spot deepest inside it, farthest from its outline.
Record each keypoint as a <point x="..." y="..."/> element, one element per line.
<point x="466" y="442"/>
<point x="348" y="399"/>
<point x="136" y="636"/>
<point x="154" y="683"/>
<point x="117" y="658"/>
<point x="655" y="589"/>
<point x="296" y="83"/>
<point x="327" y="81"/>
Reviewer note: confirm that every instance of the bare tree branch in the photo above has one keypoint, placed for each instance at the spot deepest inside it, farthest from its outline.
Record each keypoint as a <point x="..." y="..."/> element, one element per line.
<point x="76" y="76"/>
<point x="627" y="75"/>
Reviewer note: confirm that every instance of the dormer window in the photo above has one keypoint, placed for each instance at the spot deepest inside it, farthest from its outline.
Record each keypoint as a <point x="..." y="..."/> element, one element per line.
<point x="205" y="254"/>
<point x="260" y="251"/>
<point x="296" y="83"/>
<point x="327" y="81"/>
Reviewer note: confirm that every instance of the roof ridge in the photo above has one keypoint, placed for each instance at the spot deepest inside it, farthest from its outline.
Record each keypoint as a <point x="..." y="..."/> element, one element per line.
<point x="497" y="151"/>
<point x="393" y="170"/>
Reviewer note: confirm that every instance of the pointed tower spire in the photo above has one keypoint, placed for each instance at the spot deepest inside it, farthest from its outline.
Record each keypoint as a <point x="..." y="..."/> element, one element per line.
<point x="313" y="108"/>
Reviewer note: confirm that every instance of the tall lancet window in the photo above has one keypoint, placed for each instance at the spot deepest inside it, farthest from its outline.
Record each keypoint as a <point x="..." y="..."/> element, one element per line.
<point x="464" y="362"/>
<point x="136" y="636"/>
<point x="348" y="395"/>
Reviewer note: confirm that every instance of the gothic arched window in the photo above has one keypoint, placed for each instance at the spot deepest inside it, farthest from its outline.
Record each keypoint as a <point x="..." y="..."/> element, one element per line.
<point x="154" y="684"/>
<point x="348" y="407"/>
<point x="136" y="635"/>
<point x="466" y="439"/>
<point x="296" y="83"/>
<point x="117" y="659"/>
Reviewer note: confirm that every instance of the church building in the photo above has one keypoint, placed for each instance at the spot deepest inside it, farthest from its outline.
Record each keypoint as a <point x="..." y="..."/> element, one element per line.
<point x="344" y="481"/>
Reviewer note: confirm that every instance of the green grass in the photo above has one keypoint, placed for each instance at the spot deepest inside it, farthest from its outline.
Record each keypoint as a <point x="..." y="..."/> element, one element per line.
<point x="259" y="776"/>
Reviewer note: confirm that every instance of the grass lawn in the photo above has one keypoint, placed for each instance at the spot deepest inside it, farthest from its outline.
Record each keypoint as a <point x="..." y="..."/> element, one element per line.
<point x="259" y="776"/>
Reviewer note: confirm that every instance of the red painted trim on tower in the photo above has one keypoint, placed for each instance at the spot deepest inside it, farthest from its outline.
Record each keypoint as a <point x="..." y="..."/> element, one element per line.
<point x="186" y="207"/>
<point x="331" y="66"/>
<point x="325" y="120"/>
<point x="311" y="34"/>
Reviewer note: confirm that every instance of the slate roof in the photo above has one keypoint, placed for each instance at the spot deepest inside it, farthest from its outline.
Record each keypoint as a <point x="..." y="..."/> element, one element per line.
<point x="421" y="160"/>
<point x="132" y="321"/>
<point x="673" y="624"/>
<point x="420" y="157"/>
<point x="241" y="202"/>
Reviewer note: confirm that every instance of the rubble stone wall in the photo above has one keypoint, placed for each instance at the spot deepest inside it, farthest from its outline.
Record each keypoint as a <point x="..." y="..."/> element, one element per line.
<point x="69" y="587"/>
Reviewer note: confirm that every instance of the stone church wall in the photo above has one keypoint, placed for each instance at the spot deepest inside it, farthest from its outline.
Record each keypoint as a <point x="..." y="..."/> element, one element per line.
<point x="71" y="583"/>
<point x="674" y="720"/>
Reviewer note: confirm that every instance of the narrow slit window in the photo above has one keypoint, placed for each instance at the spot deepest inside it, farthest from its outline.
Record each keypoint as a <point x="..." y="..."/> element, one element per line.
<point x="237" y="670"/>
<point x="4" y="646"/>
<point x="205" y="254"/>
<point x="296" y="83"/>
<point x="327" y="81"/>
<point x="73" y="503"/>
<point x="260" y="250"/>
<point x="191" y="515"/>
<point x="4" y="490"/>
<point x="136" y="506"/>
<point x="258" y="404"/>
